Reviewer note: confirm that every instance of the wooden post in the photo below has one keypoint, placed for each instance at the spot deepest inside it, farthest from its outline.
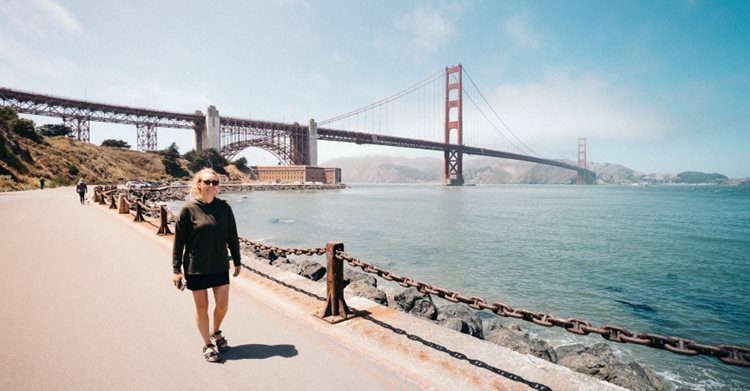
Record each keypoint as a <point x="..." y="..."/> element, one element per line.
<point x="138" y="212"/>
<point x="97" y="195"/>
<point x="336" y="309"/>
<point x="123" y="207"/>
<point x="102" y="198"/>
<point x="113" y="204"/>
<point x="164" y="227"/>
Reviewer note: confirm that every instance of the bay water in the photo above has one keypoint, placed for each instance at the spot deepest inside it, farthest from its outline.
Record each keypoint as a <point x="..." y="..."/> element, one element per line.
<point x="670" y="260"/>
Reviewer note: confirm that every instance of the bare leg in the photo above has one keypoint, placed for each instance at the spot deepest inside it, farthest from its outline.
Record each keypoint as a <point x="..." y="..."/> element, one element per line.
<point x="221" y="296"/>
<point x="201" y="314"/>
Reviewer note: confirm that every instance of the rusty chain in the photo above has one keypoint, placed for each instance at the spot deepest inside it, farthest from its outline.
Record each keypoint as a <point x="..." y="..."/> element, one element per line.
<point x="729" y="354"/>
<point x="283" y="251"/>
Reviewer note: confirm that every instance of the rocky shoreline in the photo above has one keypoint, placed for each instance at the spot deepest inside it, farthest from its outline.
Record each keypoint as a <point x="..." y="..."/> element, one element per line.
<point x="598" y="360"/>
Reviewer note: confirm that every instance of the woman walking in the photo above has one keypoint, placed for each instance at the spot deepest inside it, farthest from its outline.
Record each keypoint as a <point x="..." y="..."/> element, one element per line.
<point x="203" y="231"/>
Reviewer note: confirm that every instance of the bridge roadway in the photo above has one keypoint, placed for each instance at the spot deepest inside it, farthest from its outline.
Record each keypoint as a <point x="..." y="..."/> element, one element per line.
<point x="261" y="134"/>
<point x="87" y="305"/>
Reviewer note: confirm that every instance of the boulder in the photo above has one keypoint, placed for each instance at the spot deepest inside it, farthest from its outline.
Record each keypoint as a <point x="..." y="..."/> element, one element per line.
<point x="363" y="289"/>
<point x="601" y="362"/>
<point x="518" y="340"/>
<point x="280" y="260"/>
<point x="311" y="270"/>
<point x="417" y="303"/>
<point x="351" y="275"/>
<point x="471" y="324"/>
<point x="266" y="254"/>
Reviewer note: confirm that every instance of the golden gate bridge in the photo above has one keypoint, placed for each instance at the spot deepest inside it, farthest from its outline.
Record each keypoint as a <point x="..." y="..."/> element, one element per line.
<point x="430" y="115"/>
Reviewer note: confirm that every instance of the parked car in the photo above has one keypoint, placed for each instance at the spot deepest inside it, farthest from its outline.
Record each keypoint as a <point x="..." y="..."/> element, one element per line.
<point x="130" y="185"/>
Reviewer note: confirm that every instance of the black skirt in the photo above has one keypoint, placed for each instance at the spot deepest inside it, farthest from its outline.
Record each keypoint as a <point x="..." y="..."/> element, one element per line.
<point x="196" y="282"/>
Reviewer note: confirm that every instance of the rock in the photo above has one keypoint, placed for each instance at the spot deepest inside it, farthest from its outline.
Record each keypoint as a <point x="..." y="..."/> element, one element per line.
<point x="363" y="289"/>
<point x="600" y="361"/>
<point x="472" y="325"/>
<point x="417" y="303"/>
<point x="288" y="265"/>
<point x="353" y="275"/>
<point x="456" y="324"/>
<point x="267" y="254"/>
<point x="517" y="340"/>
<point x="311" y="270"/>
<point x="492" y="324"/>
<point x="280" y="260"/>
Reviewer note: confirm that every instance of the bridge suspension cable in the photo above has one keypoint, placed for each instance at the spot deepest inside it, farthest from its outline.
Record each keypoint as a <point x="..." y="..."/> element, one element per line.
<point x="494" y="126"/>
<point x="389" y="99"/>
<point x="419" y="112"/>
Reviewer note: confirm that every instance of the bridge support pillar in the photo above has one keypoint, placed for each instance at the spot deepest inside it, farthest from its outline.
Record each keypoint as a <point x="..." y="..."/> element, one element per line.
<point x="211" y="136"/>
<point x="80" y="126"/>
<point x="146" y="137"/>
<point x="199" y="127"/>
<point x="313" y="143"/>
<point x="581" y="179"/>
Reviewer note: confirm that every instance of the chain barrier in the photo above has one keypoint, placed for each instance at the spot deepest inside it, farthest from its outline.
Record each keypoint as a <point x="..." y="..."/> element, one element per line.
<point x="729" y="354"/>
<point x="283" y="251"/>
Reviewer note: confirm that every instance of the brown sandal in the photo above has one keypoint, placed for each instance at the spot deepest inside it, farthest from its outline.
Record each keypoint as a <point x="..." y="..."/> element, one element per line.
<point x="210" y="353"/>
<point x="221" y="342"/>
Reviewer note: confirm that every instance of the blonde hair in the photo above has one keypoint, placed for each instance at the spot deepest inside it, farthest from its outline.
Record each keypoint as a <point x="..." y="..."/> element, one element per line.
<point x="194" y="188"/>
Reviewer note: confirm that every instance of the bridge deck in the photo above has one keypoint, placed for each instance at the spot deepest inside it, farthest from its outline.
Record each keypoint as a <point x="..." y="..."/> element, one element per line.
<point x="87" y="304"/>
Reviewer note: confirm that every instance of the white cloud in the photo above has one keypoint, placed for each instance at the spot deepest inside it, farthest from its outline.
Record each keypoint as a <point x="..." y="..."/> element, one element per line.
<point x="427" y="27"/>
<point x="58" y="14"/>
<point x="563" y="107"/>
<point x="519" y="30"/>
<point x="41" y="17"/>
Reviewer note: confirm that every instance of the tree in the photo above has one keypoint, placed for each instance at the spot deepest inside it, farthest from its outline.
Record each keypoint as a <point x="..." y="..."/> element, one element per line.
<point x="241" y="163"/>
<point x="169" y="159"/>
<point x="115" y="144"/>
<point x="53" y="130"/>
<point x="8" y="116"/>
<point x="25" y="128"/>
<point x="206" y="158"/>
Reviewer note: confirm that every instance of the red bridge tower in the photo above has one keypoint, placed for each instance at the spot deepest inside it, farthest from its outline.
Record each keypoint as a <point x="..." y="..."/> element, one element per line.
<point x="453" y="166"/>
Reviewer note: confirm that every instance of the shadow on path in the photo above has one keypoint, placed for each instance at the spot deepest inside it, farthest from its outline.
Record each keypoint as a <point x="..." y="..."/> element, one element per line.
<point x="366" y="315"/>
<point x="457" y="355"/>
<point x="257" y="351"/>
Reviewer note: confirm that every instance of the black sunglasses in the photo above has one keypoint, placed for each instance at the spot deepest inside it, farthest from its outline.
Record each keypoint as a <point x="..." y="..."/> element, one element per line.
<point x="213" y="182"/>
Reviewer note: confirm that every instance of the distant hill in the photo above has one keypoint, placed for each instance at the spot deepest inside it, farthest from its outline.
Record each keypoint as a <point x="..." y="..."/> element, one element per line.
<point x="700" y="177"/>
<point x="487" y="170"/>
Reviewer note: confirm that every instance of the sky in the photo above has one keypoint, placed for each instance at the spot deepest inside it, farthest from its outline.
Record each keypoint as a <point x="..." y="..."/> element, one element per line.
<point x="657" y="86"/>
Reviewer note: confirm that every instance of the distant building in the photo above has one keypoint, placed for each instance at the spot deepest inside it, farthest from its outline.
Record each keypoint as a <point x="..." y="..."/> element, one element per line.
<point x="301" y="174"/>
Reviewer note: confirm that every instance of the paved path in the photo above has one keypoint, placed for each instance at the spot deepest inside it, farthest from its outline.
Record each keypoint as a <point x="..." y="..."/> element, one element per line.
<point x="87" y="305"/>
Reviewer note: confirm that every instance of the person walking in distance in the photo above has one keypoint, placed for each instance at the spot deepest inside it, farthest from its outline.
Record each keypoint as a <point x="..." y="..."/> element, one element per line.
<point x="41" y="183"/>
<point x="204" y="229"/>
<point x="82" y="189"/>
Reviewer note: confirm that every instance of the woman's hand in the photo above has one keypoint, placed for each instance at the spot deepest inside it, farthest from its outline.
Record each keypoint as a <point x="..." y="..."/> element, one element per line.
<point x="237" y="270"/>
<point x="176" y="279"/>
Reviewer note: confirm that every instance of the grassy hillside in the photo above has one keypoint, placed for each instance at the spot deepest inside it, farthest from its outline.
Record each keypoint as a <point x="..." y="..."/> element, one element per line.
<point x="61" y="161"/>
